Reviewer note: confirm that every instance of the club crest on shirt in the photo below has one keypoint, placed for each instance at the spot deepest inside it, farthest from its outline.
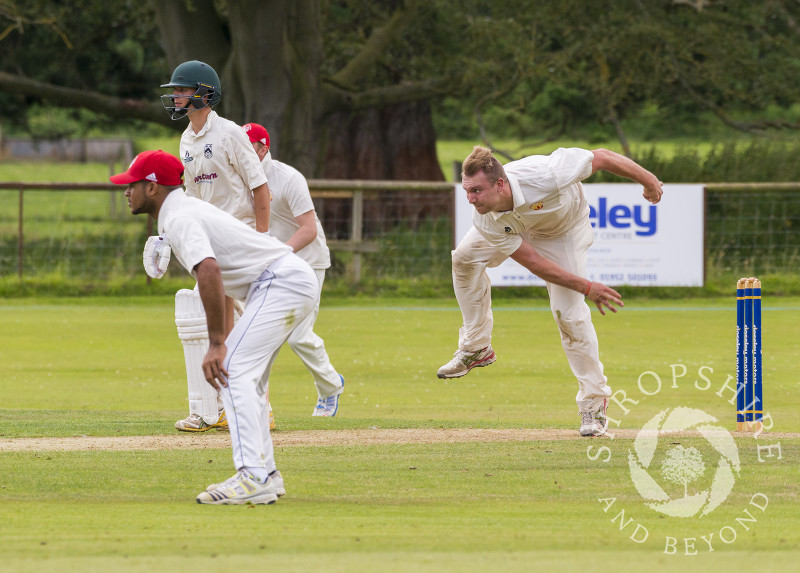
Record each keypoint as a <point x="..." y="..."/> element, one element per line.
<point x="208" y="151"/>
<point x="536" y="206"/>
<point x="507" y="229"/>
<point x="188" y="158"/>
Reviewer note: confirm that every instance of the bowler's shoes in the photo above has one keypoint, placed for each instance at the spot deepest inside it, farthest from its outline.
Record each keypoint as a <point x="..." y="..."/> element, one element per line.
<point x="241" y="489"/>
<point x="195" y="423"/>
<point x="327" y="407"/>
<point x="463" y="361"/>
<point x="275" y="481"/>
<point x="594" y="423"/>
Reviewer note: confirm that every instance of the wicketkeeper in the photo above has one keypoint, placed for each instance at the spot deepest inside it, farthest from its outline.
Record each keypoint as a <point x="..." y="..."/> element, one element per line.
<point x="294" y="221"/>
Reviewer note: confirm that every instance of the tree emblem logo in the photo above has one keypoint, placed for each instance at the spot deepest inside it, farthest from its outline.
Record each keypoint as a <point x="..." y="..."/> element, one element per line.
<point x="684" y="467"/>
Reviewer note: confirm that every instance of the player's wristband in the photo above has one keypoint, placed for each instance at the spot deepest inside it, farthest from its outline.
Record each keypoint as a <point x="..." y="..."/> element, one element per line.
<point x="588" y="288"/>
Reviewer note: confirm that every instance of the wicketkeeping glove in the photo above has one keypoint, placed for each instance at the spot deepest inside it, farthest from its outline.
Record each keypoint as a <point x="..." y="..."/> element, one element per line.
<point x="156" y="256"/>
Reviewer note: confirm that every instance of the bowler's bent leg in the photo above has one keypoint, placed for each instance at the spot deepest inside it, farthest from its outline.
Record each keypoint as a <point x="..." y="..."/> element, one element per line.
<point x="579" y="341"/>
<point x="473" y="289"/>
<point x="573" y="317"/>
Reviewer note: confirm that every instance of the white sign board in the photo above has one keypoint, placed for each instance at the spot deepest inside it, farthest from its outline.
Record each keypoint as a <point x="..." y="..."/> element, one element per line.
<point x="635" y="243"/>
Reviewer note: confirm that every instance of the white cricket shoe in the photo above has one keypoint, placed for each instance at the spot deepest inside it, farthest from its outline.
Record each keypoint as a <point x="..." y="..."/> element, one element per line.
<point x="275" y="481"/>
<point x="462" y="362"/>
<point x="240" y="489"/>
<point x="327" y="407"/>
<point x="594" y="423"/>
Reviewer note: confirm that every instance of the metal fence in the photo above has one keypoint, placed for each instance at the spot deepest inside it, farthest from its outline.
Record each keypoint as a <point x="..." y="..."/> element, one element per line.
<point x="752" y="228"/>
<point x="377" y="230"/>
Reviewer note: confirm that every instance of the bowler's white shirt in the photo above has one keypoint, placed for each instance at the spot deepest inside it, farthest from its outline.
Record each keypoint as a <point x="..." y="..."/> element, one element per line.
<point x="548" y="199"/>
<point x="291" y="198"/>
<point x="197" y="230"/>
<point x="221" y="167"/>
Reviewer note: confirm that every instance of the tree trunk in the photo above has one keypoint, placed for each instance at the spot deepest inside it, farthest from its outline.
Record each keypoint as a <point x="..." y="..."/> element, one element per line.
<point x="397" y="142"/>
<point x="192" y="31"/>
<point x="276" y="57"/>
<point x="613" y="119"/>
<point x="303" y="118"/>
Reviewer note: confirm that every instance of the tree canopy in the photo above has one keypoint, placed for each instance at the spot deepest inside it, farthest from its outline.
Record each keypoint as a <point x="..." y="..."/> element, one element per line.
<point x="349" y="87"/>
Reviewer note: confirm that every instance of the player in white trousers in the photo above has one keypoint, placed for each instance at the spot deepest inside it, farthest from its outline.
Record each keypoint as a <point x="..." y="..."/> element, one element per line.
<point x="229" y="258"/>
<point x="294" y="221"/>
<point x="222" y="169"/>
<point x="534" y="211"/>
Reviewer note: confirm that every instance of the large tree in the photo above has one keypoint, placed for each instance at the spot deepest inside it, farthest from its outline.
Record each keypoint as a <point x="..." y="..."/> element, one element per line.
<point x="345" y="86"/>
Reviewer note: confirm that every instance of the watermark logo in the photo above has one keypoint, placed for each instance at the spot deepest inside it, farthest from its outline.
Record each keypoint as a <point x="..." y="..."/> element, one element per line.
<point x="681" y="466"/>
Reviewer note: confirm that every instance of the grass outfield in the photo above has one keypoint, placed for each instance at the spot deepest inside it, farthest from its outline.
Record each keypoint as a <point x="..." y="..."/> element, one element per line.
<point x="114" y="367"/>
<point x="448" y="151"/>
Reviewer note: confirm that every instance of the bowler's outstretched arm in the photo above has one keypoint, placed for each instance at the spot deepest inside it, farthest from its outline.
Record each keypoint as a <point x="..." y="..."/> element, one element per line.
<point x="549" y="271"/>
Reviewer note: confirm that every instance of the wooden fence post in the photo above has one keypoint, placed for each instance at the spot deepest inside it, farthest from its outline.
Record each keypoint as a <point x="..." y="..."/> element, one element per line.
<point x="356" y="226"/>
<point x="20" y="234"/>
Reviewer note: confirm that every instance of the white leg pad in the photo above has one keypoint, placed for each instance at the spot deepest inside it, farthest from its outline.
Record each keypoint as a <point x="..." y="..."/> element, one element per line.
<point x="190" y="318"/>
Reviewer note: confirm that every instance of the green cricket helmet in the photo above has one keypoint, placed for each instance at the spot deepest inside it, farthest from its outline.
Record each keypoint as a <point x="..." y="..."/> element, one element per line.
<point x="196" y="75"/>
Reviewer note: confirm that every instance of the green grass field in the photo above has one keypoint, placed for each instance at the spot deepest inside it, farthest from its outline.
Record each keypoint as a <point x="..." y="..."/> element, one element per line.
<point x="114" y="367"/>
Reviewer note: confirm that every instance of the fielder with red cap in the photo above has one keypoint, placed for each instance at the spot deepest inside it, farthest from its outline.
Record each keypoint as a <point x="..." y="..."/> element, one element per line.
<point x="227" y="257"/>
<point x="294" y="221"/>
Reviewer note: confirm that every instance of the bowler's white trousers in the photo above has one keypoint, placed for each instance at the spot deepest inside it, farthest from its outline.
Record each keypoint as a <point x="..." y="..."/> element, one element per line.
<point x="310" y="348"/>
<point x="474" y="255"/>
<point x="277" y="303"/>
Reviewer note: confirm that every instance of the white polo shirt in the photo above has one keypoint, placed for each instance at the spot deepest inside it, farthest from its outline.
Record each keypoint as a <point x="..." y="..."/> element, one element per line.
<point x="221" y="167"/>
<point x="291" y="198"/>
<point x="548" y="199"/>
<point x="197" y="230"/>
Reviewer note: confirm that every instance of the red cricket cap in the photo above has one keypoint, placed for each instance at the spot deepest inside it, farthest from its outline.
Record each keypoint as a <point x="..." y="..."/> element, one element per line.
<point x="256" y="132"/>
<point x="156" y="166"/>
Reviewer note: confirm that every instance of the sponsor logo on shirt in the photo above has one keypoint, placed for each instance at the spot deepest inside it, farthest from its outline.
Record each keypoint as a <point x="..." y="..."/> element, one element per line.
<point x="536" y="206"/>
<point x="208" y="151"/>
<point x="188" y="158"/>
<point x="205" y="178"/>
